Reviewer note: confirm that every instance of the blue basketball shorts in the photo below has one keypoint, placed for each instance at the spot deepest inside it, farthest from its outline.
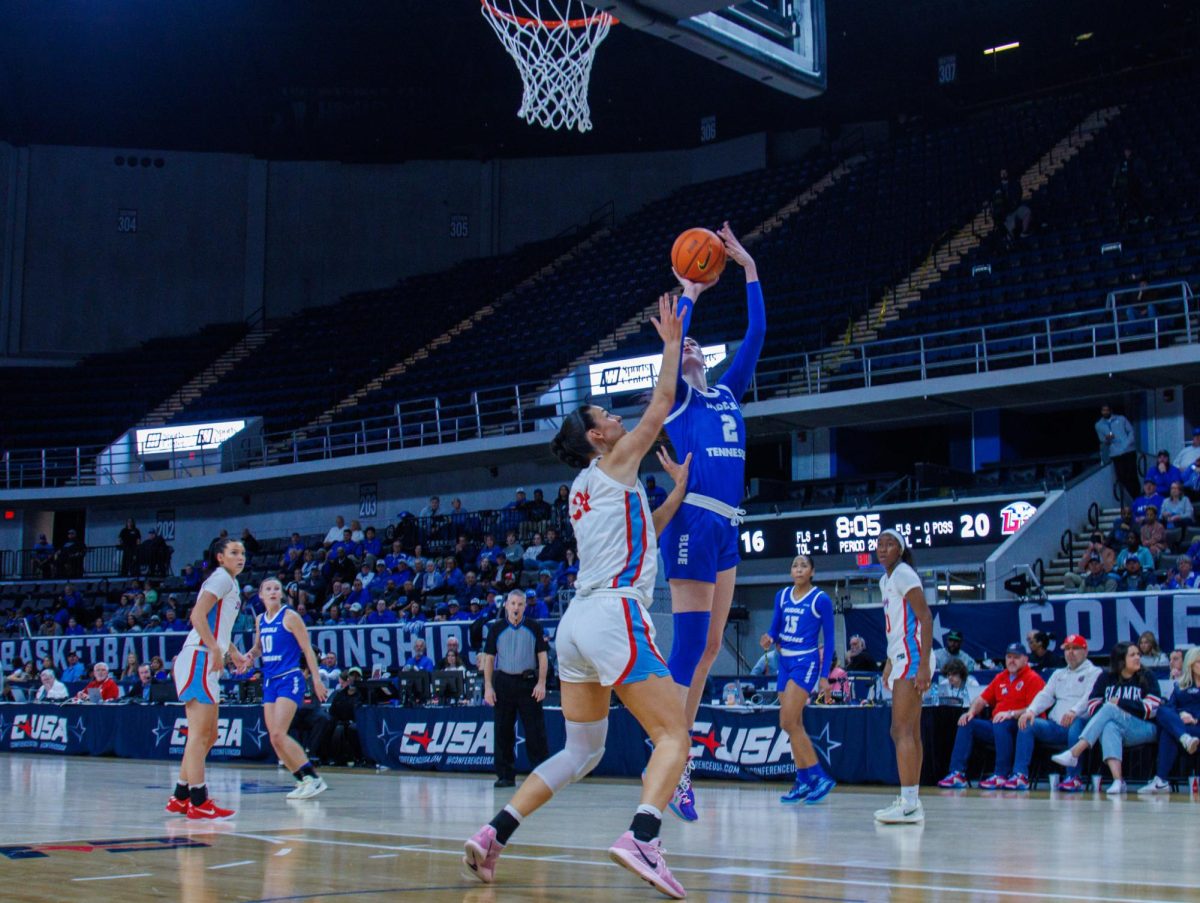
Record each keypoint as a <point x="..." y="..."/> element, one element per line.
<point x="286" y="686"/>
<point x="698" y="544"/>
<point x="803" y="670"/>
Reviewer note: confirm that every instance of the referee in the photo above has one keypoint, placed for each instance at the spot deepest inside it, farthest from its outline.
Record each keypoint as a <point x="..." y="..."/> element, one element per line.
<point x="514" y="676"/>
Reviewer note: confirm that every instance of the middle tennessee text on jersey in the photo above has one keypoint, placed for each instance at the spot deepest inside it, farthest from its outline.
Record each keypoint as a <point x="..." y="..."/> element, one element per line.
<point x="280" y="651"/>
<point x="709" y="424"/>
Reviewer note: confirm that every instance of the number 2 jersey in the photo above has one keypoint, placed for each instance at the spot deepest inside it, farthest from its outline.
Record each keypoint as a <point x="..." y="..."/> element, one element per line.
<point x="618" y="550"/>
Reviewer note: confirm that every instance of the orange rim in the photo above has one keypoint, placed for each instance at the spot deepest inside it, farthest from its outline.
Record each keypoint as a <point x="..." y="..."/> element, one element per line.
<point x="527" y="22"/>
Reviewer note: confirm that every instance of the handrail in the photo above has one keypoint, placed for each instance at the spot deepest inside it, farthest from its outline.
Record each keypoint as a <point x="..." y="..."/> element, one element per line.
<point x="1094" y="515"/>
<point x="528" y="407"/>
<point x="1066" y="543"/>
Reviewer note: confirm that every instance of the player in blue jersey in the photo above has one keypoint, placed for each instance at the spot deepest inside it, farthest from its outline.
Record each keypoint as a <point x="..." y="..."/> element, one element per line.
<point x="700" y="544"/>
<point x="803" y="615"/>
<point x="281" y="638"/>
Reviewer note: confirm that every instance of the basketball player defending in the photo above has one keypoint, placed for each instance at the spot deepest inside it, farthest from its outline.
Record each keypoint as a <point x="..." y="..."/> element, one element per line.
<point x="197" y="672"/>
<point x="605" y="641"/>
<point x="700" y="544"/>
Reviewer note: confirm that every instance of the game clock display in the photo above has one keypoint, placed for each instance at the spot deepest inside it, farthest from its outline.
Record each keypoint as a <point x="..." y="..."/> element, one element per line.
<point x="972" y="523"/>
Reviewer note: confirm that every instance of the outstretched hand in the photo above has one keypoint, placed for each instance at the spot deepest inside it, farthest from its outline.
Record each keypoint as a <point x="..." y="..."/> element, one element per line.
<point x="695" y="289"/>
<point x="668" y="323"/>
<point x="733" y="248"/>
<point x="677" y="472"/>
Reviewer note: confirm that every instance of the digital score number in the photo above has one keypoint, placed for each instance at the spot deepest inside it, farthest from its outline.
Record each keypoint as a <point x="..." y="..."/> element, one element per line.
<point x="927" y="527"/>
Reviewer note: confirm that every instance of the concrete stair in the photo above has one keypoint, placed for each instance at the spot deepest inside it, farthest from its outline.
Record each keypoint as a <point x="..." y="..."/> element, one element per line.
<point x="950" y="251"/>
<point x="211" y="374"/>
<point x="635" y="323"/>
<point x="1061" y="564"/>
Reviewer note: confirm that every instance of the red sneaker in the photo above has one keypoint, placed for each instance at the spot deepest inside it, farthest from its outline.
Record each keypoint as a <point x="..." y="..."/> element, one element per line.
<point x="208" y="809"/>
<point x="177" y="806"/>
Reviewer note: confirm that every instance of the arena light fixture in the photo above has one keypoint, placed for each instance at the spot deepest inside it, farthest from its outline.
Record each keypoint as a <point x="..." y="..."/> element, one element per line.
<point x="1086" y="36"/>
<point x="1000" y="48"/>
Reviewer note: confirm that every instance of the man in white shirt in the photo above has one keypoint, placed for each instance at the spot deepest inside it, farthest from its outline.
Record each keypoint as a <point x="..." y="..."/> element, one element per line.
<point x="335" y="532"/>
<point x="330" y="672"/>
<point x="1065" y="699"/>
<point x="51" y="690"/>
<point x="1190" y="453"/>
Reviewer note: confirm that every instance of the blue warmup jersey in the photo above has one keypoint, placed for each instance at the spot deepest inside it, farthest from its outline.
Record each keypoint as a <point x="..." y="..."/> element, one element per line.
<point x="281" y="653"/>
<point x="796" y="627"/>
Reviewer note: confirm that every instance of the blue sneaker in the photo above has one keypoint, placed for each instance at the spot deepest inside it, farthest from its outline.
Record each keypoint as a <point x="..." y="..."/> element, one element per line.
<point x="683" y="803"/>
<point x="798" y="793"/>
<point x="820" y="789"/>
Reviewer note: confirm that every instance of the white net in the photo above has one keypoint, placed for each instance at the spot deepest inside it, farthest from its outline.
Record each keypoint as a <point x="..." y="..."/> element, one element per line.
<point x="553" y="43"/>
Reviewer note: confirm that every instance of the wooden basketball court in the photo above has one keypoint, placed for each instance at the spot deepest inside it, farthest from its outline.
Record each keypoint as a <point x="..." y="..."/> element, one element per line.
<point x="95" y="830"/>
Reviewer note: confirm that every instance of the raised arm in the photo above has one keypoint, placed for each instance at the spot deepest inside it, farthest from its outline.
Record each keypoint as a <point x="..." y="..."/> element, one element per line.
<point x="737" y="378"/>
<point x="622" y="462"/>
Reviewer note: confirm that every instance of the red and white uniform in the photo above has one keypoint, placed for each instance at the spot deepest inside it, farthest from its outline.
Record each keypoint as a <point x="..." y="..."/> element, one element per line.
<point x="192" y="672"/>
<point x="606" y="636"/>
<point x="903" y="629"/>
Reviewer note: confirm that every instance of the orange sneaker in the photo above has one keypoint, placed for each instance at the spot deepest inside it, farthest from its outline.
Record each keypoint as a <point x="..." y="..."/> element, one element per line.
<point x="208" y="809"/>
<point x="177" y="806"/>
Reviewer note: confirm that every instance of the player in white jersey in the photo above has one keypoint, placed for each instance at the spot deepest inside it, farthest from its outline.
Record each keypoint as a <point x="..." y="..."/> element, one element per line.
<point x="197" y="672"/>
<point x="908" y="671"/>
<point x="605" y="641"/>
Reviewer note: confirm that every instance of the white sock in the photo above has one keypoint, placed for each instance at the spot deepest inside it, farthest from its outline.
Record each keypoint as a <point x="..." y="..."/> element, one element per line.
<point x="650" y="810"/>
<point x="514" y="813"/>
<point x="909" y="795"/>
<point x="196" y="786"/>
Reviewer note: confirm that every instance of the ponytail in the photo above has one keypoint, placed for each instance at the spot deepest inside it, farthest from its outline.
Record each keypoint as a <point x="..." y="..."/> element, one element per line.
<point x="571" y="445"/>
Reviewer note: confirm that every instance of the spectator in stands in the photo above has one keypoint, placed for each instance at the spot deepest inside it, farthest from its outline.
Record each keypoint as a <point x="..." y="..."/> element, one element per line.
<point x="131" y="666"/>
<point x="1164" y="473"/>
<point x="455" y="610"/>
<point x="128" y="539"/>
<point x="1073" y="581"/>
<point x="101" y="681"/>
<point x="191" y="578"/>
<point x="857" y="658"/>
<point x="532" y="551"/>
<point x="1189" y="454"/>
<point x="357" y="534"/>
<point x="1153" y="533"/>
<point x="1135" y="549"/>
<point x="1123" y="703"/>
<point x="429" y="581"/>
<point x="334" y="534"/>
<point x="395" y="558"/>
<point x="768" y="663"/>
<point x="1147" y="500"/>
<point x="1118" y="444"/>
<point x="1128" y="182"/>
<point x="519" y="505"/>
<point x="432" y="509"/>
<point x="1097" y="579"/>
<point x="1041" y="658"/>
<point x="453" y="579"/>
<point x="381" y="614"/>
<point x="139" y="687"/>
<point x="1123" y="525"/>
<point x="570" y="565"/>
<point x="1009" y="693"/>
<point x="514" y="552"/>
<point x="1152" y="655"/>
<point x="1177" y="514"/>
<point x="452" y="661"/>
<point x="1134" y="577"/>
<point x="539" y="510"/>
<point x="536" y="607"/>
<point x="41" y="559"/>
<point x="555" y="551"/>
<point x="655" y="494"/>
<point x="951" y="650"/>
<point x="49" y="626"/>
<point x="52" y="689"/>
<point x="419" y="660"/>
<point x="372" y="547"/>
<point x="329" y="671"/>
<point x="253" y="546"/>
<point x="414" y="619"/>
<point x="452" y="646"/>
<point x="489" y="551"/>
<point x="155" y="554"/>
<point x="74" y="670"/>
<point x="172" y="622"/>
<point x="1177" y="720"/>
<point x="158" y="669"/>
<point x="74" y="628"/>
<point x="957" y="683"/>
<point x="562" y="505"/>
<point x="337" y="596"/>
<point x="68" y="561"/>
<point x="1065" y="699"/>
<point x="1010" y="209"/>
<point x="1176" y="665"/>
<point x="1182" y="576"/>
<point x="20" y="683"/>
<point x="343" y="709"/>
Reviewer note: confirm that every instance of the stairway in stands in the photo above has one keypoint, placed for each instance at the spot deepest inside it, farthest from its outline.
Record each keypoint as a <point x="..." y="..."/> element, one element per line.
<point x="1052" y="578"/>
<point x="950" y="253"/>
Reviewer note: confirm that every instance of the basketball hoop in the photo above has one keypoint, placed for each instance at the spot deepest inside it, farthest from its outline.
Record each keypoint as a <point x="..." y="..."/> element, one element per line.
<point x="553" y="51"/>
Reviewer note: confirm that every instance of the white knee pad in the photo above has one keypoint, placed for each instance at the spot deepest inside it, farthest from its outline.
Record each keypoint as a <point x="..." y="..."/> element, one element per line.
<point x="582" y="752"/>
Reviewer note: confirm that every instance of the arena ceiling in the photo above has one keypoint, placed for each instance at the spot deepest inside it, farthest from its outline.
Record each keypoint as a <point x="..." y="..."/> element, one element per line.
<point x="389" y="80"/>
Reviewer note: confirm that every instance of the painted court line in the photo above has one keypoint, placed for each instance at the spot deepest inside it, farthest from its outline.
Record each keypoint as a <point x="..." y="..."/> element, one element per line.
<point x="229" y="865"/>
<point x="114" y="877"/>
<point x="284" y="851"/>
<point x="383" y="856"/>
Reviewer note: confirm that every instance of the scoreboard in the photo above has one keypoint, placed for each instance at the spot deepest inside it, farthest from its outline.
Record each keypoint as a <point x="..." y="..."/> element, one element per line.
<point x="981" y="522"/>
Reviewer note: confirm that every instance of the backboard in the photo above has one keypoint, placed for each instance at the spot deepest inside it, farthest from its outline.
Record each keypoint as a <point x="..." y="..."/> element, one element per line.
<point x="780" y="43"/>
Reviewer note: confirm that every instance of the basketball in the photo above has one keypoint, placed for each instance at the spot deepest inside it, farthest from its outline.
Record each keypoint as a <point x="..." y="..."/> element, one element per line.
<point x="698" y="255"/>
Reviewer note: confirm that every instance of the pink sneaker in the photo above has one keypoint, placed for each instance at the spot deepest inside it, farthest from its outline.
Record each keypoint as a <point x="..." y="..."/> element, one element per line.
<point x="646" y="861"/>
<point x="995" y="782"/>
<point x="482" y="853"/>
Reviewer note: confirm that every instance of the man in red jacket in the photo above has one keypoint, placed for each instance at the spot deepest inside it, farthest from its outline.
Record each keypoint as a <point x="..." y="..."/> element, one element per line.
<point x="102" y="681"/>
<point x="1009" y="694"/>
